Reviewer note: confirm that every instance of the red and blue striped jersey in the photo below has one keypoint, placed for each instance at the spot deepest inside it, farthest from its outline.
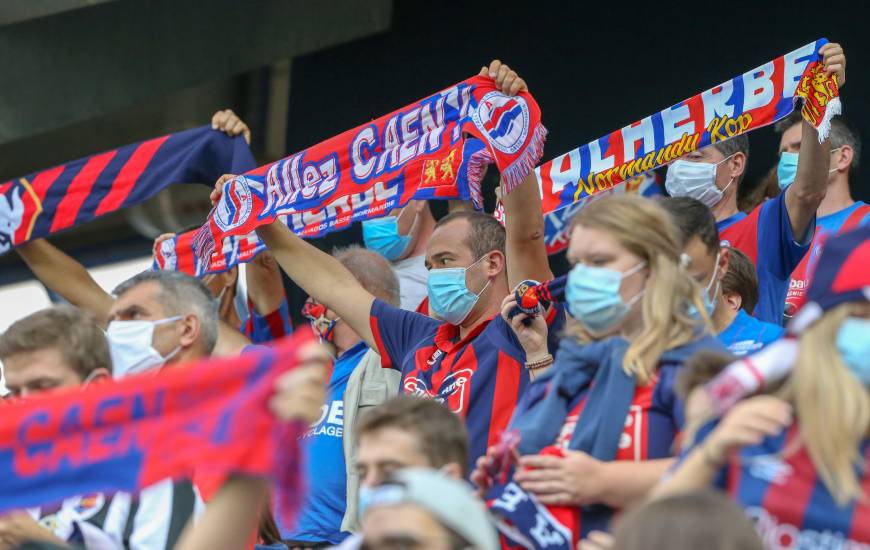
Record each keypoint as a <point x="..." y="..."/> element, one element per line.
<point x="766" y="237"/>
<point x="655" y="419"/>
<point x="266" y="328"/>
<point x="479" y="377"/>
<point x="778" y="486"/>
<point x="848" y="218"/>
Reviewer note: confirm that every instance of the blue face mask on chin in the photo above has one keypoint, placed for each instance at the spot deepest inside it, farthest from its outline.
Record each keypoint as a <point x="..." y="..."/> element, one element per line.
<point x="594" y="299"/>
<point x="449" y="297"/>
<point x="853" y="343"/>
<point x="382" y="236"/>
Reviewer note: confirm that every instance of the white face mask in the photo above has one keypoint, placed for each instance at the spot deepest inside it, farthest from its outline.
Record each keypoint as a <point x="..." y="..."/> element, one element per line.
<point x="130" y="345"/>
<point x="696" y="180"/>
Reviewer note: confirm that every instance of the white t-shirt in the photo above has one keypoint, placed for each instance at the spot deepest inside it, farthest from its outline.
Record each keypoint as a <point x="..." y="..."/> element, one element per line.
<point x="412" y="275"/>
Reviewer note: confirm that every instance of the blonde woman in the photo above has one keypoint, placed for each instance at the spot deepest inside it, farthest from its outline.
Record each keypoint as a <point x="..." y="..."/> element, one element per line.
<point x="596" y="431"/>
<point x="796" y="461"/>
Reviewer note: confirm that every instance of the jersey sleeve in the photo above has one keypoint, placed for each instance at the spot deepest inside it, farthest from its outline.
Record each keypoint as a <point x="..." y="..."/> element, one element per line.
<point x="397" y="331"/>
<point x="779" y="249"/>
<point x="271" y="326"/>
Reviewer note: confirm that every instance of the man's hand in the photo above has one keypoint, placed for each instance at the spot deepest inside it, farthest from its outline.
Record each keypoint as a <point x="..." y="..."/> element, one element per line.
<point x="748" y="423"/>
<point x="300" y="393"/>
<point x="506" y="79"/>
<point x="533" y="337"/>
<point x="574" y="479"/>
<point x="834" y="61"/>
<point x="229" y="123"/>
<point x="19" y="527"/>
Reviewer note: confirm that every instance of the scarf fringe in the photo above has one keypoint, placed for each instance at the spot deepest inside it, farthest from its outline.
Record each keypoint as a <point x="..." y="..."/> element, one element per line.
<point x="834" y="108"/>
<point x="477" y="165"/>
<point x="515" y="172"/>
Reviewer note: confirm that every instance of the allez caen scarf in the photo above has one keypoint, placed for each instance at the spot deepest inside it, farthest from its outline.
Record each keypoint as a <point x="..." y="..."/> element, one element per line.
<point x="417" y="152"/>
<point x="748" y="101"/>
<point x="122" y="436"/>
<point x="77" y="192"/>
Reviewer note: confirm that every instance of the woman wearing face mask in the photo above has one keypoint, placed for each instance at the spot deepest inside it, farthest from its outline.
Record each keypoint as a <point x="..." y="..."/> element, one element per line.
<point x="796" y="461"/>
<point x="596" y="432"/>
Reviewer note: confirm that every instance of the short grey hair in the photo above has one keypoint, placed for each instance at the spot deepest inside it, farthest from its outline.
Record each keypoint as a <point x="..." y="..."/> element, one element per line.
<point x="373" y="272"/>
<point x="737" y="144"/>
<point x="181" y="294"/>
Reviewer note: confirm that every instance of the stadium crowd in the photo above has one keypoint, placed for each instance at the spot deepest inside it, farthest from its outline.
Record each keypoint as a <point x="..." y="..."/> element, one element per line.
<point x="442" y="412"/>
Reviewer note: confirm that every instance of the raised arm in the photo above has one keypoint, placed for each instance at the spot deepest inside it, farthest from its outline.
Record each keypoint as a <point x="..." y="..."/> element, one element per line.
<point x="65" y="276"/>
<point x="803" y="197"/>
<point x="524" y="221"/>
<point x="265" y="287"/>
<point x="322" y="277"/>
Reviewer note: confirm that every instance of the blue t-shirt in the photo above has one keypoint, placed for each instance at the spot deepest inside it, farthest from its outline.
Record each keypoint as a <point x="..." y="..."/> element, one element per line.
<point x="323" y="456"/>
<point x="746" y="334"/>
<point x="766" y="237"/>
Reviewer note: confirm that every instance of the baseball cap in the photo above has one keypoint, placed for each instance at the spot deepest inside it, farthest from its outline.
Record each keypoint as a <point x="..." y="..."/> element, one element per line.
<point x="449" y="500"/>
<point x="841" y="275"/>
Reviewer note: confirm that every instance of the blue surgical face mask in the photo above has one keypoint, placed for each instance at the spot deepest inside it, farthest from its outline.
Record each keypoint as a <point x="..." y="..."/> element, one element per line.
<point x="594" y="299"/>
<point x="382" y="236"/>
<point x="853" y="343"/>
<point x="786" y="169"/>
<point x="449" y="296"/>
<point x="695" y="179"/>
<point x="708" y="299"/>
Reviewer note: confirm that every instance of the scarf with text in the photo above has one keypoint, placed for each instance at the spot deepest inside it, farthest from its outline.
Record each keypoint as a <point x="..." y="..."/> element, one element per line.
<point x="418" y="152"/>
<point x="749" y="101"/>
<point x="210" y="417"/>
<point x="77" y="192"/>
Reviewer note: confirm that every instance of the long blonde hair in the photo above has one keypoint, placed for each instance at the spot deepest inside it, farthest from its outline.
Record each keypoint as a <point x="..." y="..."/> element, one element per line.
<point x="832" y="406"/>
<point x="645" y="229"/>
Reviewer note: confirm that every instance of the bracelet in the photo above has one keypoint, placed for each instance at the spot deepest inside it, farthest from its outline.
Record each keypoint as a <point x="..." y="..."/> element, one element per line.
<point x="545" y="362"/>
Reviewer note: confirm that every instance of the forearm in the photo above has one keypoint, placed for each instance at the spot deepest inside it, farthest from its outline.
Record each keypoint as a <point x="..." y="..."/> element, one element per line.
<point x="694" y="473"/>
<point x="230" y="518"/>
<point x="524" y="226"/>
<point x="625" y="482"/>
<point x="265" y="287"/>
<point x="804" y="196"/>
<point x="321" y="276"/>
<point x="67" y="277"/>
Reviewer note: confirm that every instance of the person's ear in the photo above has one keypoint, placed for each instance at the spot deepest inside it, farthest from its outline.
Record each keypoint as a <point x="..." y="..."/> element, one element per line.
<point x="724" y="262"/>
<point x="99" y="375"/>
<point x="495" y="263"/>
<point x="191" y="327"/>
<point x="843" y="160"/>
<point x="733" y="300"/>
<point x="737" y="165"/>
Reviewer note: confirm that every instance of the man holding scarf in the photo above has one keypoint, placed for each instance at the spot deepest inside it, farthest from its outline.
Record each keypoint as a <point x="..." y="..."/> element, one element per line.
<point x="473" y="361"/>
<point x="777" y="234"/>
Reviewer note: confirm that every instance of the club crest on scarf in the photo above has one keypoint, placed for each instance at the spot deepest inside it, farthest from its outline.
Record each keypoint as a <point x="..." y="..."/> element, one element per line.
<point x="235" y="210"/>
<point x="19" y="208"/>
<point x="504" y="119"/>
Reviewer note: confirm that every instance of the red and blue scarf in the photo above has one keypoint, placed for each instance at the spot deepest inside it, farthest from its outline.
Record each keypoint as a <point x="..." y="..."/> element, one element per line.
<point x="209" y="418"/>
<point x="77" y="192"/>
<point x="749" y="101"/>
<point x="418" y="152"/>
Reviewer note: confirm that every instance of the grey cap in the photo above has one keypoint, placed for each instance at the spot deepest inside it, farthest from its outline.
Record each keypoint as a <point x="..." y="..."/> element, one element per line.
<point x="449" y="500"/>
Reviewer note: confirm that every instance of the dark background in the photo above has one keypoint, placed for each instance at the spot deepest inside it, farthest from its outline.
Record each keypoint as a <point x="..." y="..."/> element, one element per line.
<point x="592" y="68"/>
